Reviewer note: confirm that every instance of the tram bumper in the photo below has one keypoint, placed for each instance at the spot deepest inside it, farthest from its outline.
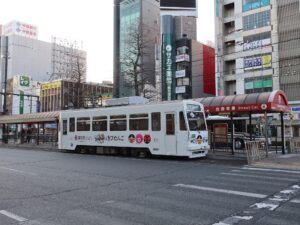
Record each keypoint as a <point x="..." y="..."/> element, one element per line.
<point x="197" y="151"/>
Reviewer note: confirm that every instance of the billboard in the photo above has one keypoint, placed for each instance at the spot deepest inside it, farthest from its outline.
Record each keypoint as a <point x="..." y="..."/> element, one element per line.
<point x="20" y="28"/>
<point x="178" y="3"/>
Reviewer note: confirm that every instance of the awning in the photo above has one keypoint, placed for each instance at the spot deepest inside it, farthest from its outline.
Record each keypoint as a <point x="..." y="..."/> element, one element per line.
<point x="30" y="118"/>
<point x="275" y="101"/>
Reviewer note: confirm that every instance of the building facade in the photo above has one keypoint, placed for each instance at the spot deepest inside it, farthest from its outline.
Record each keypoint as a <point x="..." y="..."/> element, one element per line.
<point x="22" y="95"/>
<point x="23" y="54"/>
<point x="258" y="47"/>
<point x="136" y="38"/>
<point x="178" y="18"/>
<point x="195" y="69"/>
<point x="64" y="94"/>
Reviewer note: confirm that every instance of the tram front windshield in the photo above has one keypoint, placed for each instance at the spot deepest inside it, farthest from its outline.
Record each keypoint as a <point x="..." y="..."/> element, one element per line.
<point x="195" y="118"/>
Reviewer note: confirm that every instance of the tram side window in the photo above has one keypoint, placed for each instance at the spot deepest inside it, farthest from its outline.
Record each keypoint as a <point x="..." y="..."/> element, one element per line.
<point x="139" y="121"/>
<point x="170" y="124"/>
<point x="182" y="121"/>
<point x="72" y="124"/>
<point x="155" y="118"/>
<point x="118" y="123"/>
<point x="100" y="123"/>
<point x="83" y="124"/>
<point x="65" y="127"/>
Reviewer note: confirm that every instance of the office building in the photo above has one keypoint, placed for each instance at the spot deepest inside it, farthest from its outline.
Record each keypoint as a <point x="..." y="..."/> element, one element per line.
<point x="258" y="47"/>
<point x="136" y="38"/>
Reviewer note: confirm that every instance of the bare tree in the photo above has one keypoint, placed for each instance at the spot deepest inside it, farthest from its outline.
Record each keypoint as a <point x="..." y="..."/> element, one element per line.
<point x="136" y="55"/>
<point x="69" y="63"/>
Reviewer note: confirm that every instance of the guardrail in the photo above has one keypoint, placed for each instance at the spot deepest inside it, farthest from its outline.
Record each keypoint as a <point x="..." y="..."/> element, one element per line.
<point x="295" y="145"/>
<point x="32" y="138"/>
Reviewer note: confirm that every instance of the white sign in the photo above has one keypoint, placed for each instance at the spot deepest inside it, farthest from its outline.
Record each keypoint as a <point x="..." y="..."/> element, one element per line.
<point x="180" y="73"/>
<point x="182" y="58"/>
<point x="256" y="44"/>
<point x="180" y="90"/>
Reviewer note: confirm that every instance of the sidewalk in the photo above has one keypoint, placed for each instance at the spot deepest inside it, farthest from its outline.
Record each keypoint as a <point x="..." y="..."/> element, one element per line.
<point x="279" y="161"/>
<point x="31" y="146"/>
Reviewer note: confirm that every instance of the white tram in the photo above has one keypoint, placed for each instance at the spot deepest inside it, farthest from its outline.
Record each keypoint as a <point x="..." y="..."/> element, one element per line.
<point x="169" y="128"/>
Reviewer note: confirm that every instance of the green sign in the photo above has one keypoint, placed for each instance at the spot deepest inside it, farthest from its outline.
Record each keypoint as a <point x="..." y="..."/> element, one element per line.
<point x="21" y="104"/>
<point x="24" y="81"/>
<point x="267" y="83"/>
<point x="258" y="84"/>
<point x="249" y="85"/>
<point x="168" y="67"/>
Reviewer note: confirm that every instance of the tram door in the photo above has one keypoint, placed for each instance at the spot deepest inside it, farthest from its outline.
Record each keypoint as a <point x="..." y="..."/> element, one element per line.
<point x="170" y="133"/>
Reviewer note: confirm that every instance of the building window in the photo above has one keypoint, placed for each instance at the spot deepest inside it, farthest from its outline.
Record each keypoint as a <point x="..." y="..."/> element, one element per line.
<point x="83" y="124"/>
<point x="100" y="123"/>
<point x="155" y="118"/>
<point x="256" y="20"/>
<point x="118" y="123"/>
<point x="257" y="41"/>
<point x="258" y="85"/>
<point x="138" y="122"/>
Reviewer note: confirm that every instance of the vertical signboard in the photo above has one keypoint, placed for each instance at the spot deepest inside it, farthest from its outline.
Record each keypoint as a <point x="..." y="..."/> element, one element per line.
<point x="21" y="103"/>
<point x="168" y="67"/>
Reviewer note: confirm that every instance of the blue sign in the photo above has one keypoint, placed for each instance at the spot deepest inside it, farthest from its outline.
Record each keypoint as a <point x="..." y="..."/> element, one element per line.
<point x="254" y="4"/>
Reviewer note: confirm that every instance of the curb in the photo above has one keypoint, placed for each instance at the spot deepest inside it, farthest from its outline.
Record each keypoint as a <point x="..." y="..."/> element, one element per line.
<point x="33" y="148"/>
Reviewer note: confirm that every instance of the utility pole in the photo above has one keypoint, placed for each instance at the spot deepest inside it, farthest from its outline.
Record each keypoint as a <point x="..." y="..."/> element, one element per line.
<point x="5" y="76"/>
<point x="4" y="138"/>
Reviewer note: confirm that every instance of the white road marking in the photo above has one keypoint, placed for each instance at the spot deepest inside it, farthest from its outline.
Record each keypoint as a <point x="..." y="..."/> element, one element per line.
<point x="244" y="217"/>
<point x="264" y="205"/>
<point x="13" y="216"/>
<point x="297" y="201"/>
<point x="110" y="202"/>
<point x="271" y="170"/>
<point x="246" y="194"/>
<point x="221" y="223"/>
<point x="18" y="171"/>
<point x="264" y="177"/>
<point x="287" y="191"/>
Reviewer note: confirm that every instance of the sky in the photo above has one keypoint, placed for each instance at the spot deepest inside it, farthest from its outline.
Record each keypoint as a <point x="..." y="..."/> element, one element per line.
<point x="89" y="21"/>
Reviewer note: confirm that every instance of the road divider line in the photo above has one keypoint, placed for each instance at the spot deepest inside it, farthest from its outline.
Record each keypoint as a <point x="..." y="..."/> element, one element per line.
<point x="263" y="177"/>
<point x="13" y="216"/>
<point x="18" y="171"/>
<point x="240" y="193"/>
<point x="271" y="170"/>
<point x="296" y="201"/>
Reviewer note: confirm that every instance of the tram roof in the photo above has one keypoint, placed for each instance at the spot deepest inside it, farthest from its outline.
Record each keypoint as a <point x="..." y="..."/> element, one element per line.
<point x="275" y="101"/>
<point x="30" y="118"/>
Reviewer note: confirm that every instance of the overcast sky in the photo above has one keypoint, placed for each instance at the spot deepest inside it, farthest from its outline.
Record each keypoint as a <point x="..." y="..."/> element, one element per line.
<point x="90" y="21"/>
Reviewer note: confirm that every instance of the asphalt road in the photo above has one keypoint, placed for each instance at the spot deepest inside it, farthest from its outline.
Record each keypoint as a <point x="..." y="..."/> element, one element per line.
<point x="51" y="188"/>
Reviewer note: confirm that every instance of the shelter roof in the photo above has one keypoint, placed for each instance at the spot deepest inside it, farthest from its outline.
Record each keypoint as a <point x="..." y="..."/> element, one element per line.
<point x="30" y="118"/>
<point x="275" y="101"/>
